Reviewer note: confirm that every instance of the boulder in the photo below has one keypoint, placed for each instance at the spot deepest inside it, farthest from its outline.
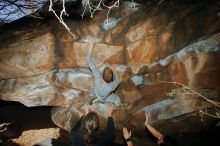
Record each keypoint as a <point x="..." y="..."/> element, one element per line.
<point x="157" y="50"/>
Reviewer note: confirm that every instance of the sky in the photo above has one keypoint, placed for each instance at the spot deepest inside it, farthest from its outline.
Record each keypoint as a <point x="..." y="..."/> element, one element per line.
<point x="10" y="10"/>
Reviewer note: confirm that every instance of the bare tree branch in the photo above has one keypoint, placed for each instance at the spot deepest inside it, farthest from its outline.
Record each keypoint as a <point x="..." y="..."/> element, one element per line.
<point x="115" y="5"/>
<point x="208" y="114"/>
<point x="60" y="18"/>
<point x="193" y="91"/>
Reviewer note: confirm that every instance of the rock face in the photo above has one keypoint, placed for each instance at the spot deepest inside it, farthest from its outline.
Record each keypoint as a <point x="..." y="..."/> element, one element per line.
<point x="153" y="46"/>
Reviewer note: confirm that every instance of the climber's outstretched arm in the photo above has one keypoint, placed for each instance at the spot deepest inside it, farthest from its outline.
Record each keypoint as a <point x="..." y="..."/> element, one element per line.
<point x="153" y="130"/>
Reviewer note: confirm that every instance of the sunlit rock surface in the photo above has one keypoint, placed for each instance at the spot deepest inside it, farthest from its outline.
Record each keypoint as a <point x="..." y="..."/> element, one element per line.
<point x="152" y="47"/>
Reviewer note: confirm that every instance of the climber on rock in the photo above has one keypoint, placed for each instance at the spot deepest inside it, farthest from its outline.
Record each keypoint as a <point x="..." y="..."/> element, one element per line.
<point x="104" y="83"/>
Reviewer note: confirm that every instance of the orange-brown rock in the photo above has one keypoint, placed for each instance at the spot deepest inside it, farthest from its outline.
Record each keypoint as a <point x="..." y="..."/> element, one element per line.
<point x="102" y="53"/>
<point x="29" y="57"/>
<point x="69" y="60"/>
